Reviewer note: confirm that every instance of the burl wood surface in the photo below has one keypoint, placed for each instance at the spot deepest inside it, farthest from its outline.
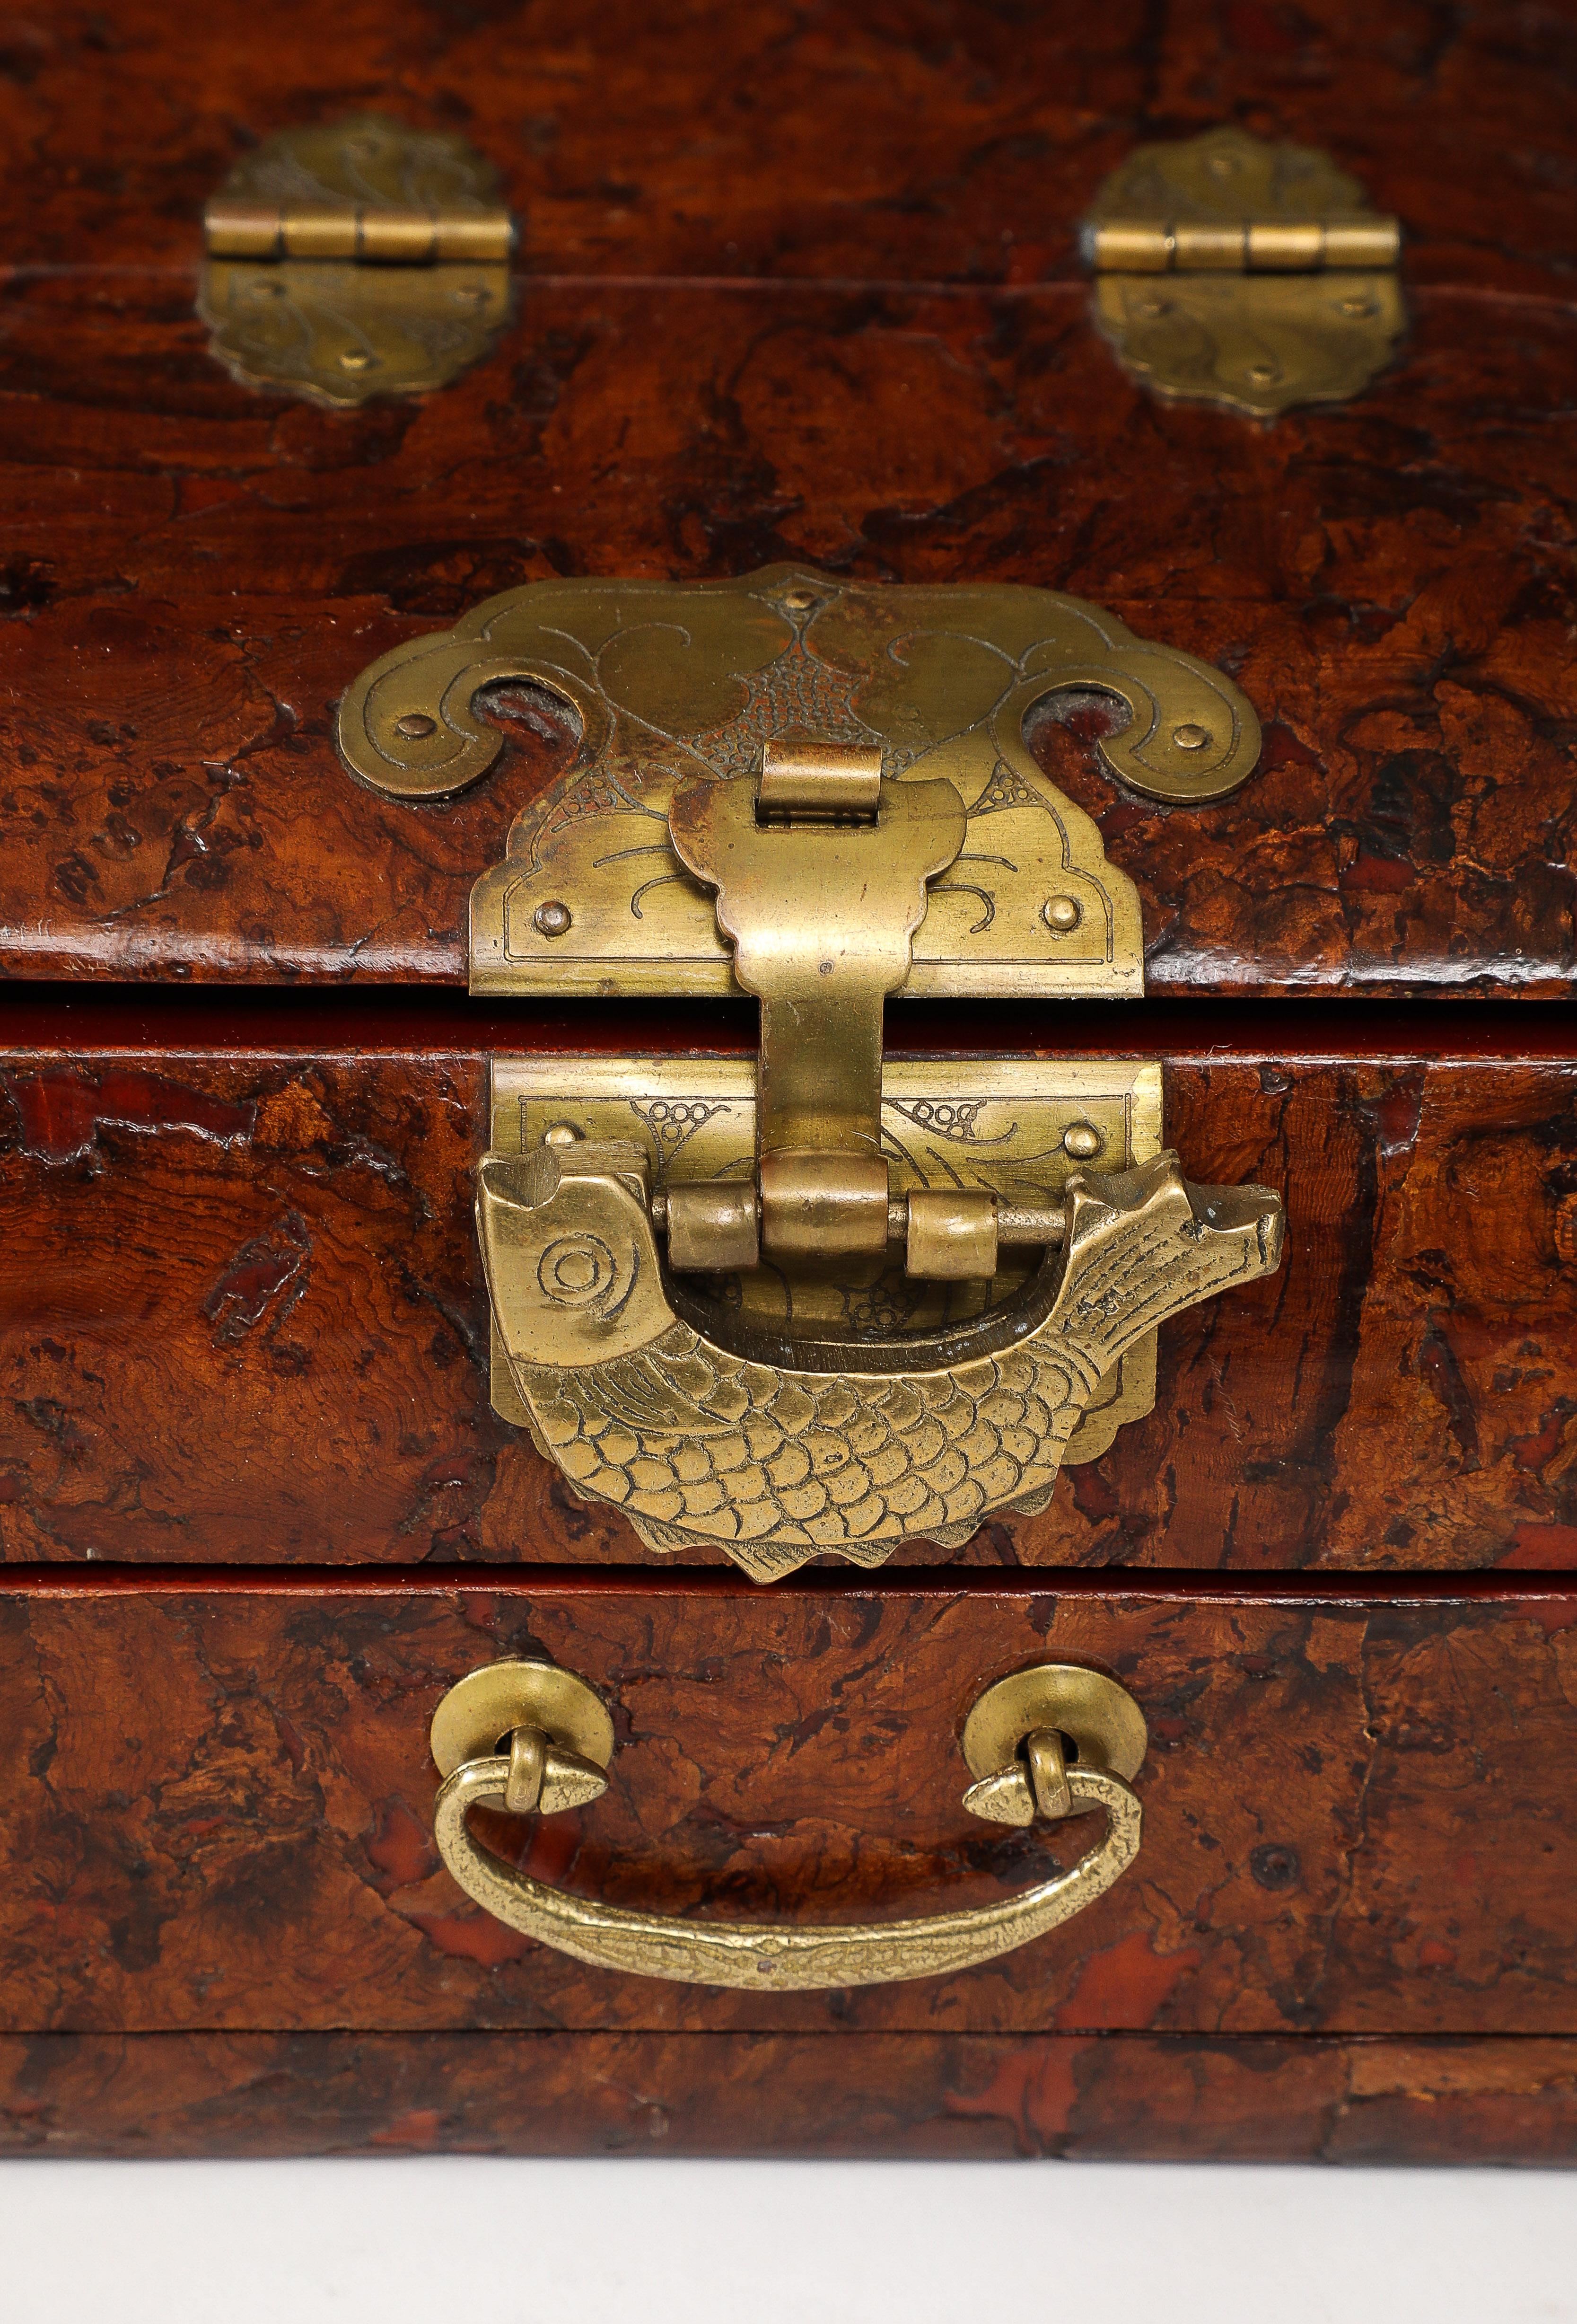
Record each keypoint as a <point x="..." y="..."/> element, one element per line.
<point x="1136" y="2098"/>
<point x="794" y="284"/>
<point x="242" y="1316"/>
<point x="1359" y="1816"/>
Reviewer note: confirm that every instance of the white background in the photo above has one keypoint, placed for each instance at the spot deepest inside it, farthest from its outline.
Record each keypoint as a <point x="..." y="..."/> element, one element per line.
<point x="467" y="2241"/>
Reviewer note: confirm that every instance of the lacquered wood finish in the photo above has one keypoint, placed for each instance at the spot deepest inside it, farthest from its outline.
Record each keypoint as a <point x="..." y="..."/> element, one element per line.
<point x="242" y="1318"/>
<point x="794" y="285"/>
<point x="833" y="316"/>
<point x="1080" y="2098"/>
<point x="1359" y="1815"/>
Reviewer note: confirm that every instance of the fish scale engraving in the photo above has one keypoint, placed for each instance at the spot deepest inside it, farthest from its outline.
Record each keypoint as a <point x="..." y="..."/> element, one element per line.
<point x="699" y="1442"/>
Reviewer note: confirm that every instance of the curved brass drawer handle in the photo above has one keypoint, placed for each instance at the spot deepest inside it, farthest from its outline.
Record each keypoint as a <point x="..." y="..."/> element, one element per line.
<point x="561" y="1740"/>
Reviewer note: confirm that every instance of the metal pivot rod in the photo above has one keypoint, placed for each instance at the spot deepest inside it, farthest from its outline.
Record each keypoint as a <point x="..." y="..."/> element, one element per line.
<point x="947" y="1235"/>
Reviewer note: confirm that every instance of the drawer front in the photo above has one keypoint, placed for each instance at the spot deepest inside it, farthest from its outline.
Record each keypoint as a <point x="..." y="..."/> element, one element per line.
<point x="1358" y="1813"/>
<point x="243" y="1319"/>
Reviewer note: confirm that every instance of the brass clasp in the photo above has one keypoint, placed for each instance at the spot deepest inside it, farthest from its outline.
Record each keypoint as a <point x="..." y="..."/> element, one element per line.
<point x="821" y="875"/>
<point x="820" y="886"/>
<point x="832" y="1299"/>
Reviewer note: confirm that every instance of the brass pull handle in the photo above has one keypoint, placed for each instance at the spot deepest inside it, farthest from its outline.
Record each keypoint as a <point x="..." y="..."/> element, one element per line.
<point x="569" y="1742"/>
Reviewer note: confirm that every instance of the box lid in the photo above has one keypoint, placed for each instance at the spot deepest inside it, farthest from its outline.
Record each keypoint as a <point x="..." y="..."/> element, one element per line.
<point x="785" y="298"/>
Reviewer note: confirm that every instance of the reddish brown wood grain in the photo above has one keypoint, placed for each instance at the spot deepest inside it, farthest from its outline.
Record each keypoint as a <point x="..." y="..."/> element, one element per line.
<point x="830" y="316"/>
<point x="1079" y="2097"/>
<point x="793" y="286"/>
<point x="242" y="1317"/>
<point x="1359" y="1815"/>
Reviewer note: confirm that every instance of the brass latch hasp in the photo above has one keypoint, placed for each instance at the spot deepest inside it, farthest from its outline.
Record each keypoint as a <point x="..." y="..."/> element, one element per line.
<point x="820" y="871"/>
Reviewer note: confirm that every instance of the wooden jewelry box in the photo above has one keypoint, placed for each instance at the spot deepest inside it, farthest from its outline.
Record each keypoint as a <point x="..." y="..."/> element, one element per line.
<point x="789" y="1302"/>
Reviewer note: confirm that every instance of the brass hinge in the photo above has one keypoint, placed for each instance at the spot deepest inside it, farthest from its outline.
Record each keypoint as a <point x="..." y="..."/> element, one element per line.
<point x="388" y="233"/>
<point x="1282" y="282"/>
<point x="356" y="259"/>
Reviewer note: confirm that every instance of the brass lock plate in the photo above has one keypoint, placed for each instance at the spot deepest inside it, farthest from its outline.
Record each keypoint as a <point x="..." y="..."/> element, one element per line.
<point x="819" y="792"/>
<point x="1018" y="1127"/>
<point x="354" y="259"/>
<point x="1233" y="270"/>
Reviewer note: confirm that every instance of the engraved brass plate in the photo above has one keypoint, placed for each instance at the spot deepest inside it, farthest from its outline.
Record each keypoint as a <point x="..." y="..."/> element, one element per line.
<point x="338" y="332"/>
<point x="775" y="1444"/>
<point x="1256" y="336"/>
<point x="1002" y="1124"/>
<point x="669" y="681"/>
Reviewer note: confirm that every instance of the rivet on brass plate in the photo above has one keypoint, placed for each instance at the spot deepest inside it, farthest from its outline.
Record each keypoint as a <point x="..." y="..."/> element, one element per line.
<point x="354" y="259"/>
<point x="1081" y="1141"/>
<point x="1281" y="281"/>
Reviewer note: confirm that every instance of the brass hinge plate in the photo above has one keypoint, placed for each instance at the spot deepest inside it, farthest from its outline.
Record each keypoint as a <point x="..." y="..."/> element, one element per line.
<point x="1233" y="270"/>
<point x="354" y="259"/>
<point x="672" y="681"/>
<point x="1018" y="1127"/>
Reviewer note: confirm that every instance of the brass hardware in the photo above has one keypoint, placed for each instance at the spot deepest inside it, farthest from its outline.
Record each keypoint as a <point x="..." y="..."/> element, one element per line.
<point x="888" y="1303"/>
<point x="712" y="1226"/>
<point x="754" y="1955"/>
<point x="819" y="1206"/>
<point x="368" y="233"/>
<point x="671" y="681"/>
<point x="556" y="1736"/>
<point x="1245" y="246"/>
<point x="1016" y="1736"/>
<point x="820" y="914"/>
<point x="991" y="1124"/>
<point x="1280" y="284"/>
<point x="950" y="1235"/>
<point x="356" y="259"/>
<point x="819" y="782"/>
<point x="710" y="1428"/>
